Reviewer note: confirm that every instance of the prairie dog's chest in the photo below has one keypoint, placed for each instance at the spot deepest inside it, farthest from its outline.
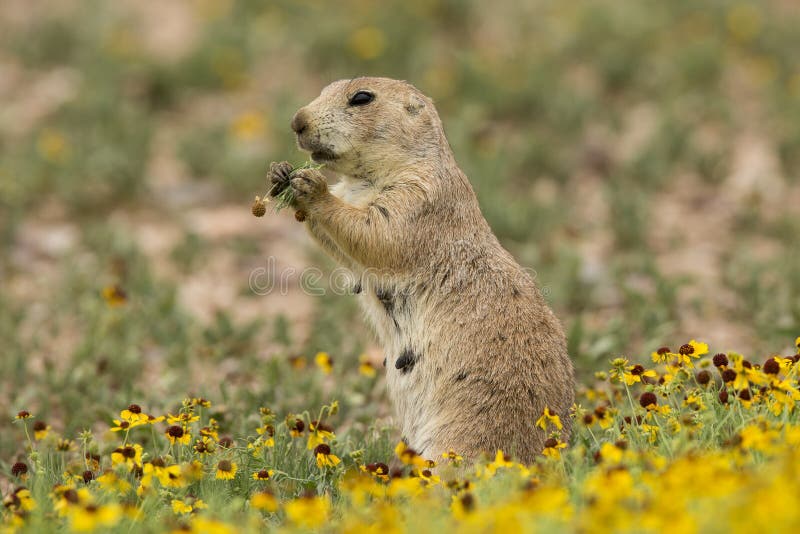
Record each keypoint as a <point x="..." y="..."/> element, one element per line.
<point x="357" y="193"/>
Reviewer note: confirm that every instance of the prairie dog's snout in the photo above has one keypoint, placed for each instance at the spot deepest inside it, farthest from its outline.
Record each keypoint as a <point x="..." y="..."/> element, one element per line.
<point x="299" y="123"/>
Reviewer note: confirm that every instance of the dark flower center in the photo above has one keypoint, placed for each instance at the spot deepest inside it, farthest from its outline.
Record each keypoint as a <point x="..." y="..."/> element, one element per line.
<point x="19" y="469"/>
<point x="772" y="367"/>
<point x="224" y="465"/>
<point x="647" y="399"/>
<point x="175" y="431"/>
<point x="720" y="360"/>
<point x="728" y="375"/>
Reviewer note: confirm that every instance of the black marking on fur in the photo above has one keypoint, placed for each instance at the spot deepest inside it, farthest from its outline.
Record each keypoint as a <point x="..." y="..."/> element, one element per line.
<point x="406" y="362"/>
<point x="424" y="445"/>
<point x="383" y="210"/>
<point x="461" y="376"/>
<point x="357" y="288"/>
<point x="384" y="362"/>
<point x="515" y="291"/>
<point x="385" y="298"/>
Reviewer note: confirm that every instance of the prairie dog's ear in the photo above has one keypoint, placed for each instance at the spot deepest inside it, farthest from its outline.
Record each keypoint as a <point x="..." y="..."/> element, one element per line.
<point x="414" y="104"/>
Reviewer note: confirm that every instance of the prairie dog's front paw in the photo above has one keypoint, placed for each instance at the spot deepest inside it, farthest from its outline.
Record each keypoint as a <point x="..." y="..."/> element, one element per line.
<point x="308" y="185"/>
<point x="278" y="176"/>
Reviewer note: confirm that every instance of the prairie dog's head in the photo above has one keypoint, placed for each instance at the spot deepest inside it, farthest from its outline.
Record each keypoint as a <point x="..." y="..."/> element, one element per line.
<point x="362" y="126"/>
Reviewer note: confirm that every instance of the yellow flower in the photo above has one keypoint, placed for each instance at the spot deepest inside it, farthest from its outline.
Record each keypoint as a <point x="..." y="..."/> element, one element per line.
<point x="267" y="431"/>
<point x="176" y="434"/>
<point x="184" y="418"/>
<point x="409" y="456"/>
<point x="248" y="126"/>
<point x="204" y="445"/>
<point x="40" y="430"/>
<point x="264" y="500"/>
<point x="551" y="448"/>
<point x="203" y="525"/>
<point x="133" y="414"/>
<point x="324" y="362"/>
<point x="365" y="367"/>
<point x="180" y="507"/>
<point x="130" y="455"/>
<point x="662" y="355"/>
<point x="264" y="474"/>
<point x="120" y="425"/>
<point x="695" y="401"/>
<point x="65" y="445"/>
<point x="20" y="500"/>
<point x="797" y="343"/>
<point x="171" y="477"/>
<point x="453" y="456"/>
<point x="89" y="517"/>
<point x="610" y="453"/>
<point x="461" y="505"/>
<point x="378" y="470"/>
<point x="308" y="512"/>
<point x="52" y="146"/>
<point x="295" y="426"/>
<point x="193" y="471"/>
<point x="744" y="22"/>
<point x="318" y="433"/>
<point x="226" y="470"/>
<point x="500" y="461"/>
<point x="699" y="349"/>
<point x="111" y="483"/>
<point x="368" y="42"/>
<point x="65" y="496"/>
<point x="114" y="296"/>
<point x="25" y="414"/>
<point x="549" y="417"/>
<point x="297" y="362"/>
<point x="200" y="401"/>
<point x="756" y="438"/>
<point x="634" y="373"/>
<point x="324" y="456"/>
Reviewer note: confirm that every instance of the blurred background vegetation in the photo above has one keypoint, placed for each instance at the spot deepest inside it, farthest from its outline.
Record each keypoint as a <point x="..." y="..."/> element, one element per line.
<point x="642" y="157"/>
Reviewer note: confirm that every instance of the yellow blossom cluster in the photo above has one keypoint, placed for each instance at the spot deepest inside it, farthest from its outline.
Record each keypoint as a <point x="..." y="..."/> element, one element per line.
<point x="699" y="443"/>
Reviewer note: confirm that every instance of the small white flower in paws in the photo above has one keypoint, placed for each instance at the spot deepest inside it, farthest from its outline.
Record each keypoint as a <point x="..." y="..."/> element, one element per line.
<point x="308" y="185"/>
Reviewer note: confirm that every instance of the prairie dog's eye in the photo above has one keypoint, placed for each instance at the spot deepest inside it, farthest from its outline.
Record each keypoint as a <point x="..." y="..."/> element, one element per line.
<point x="361" y="98"/>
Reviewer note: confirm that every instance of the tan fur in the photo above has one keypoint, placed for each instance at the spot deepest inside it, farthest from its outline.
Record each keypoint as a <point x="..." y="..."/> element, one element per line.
<point x="435" y="283"/>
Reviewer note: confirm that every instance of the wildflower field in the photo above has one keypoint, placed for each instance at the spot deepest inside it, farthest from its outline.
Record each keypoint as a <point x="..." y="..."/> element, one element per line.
<point x="170" y="363"/>
<point x="695" y="443"/>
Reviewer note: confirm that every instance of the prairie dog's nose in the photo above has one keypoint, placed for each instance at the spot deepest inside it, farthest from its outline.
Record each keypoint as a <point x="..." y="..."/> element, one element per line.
<point x="299" y="122"/>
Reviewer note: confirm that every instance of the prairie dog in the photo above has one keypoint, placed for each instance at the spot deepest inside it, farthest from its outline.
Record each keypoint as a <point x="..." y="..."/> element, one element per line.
<point x="473" y="353"/>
